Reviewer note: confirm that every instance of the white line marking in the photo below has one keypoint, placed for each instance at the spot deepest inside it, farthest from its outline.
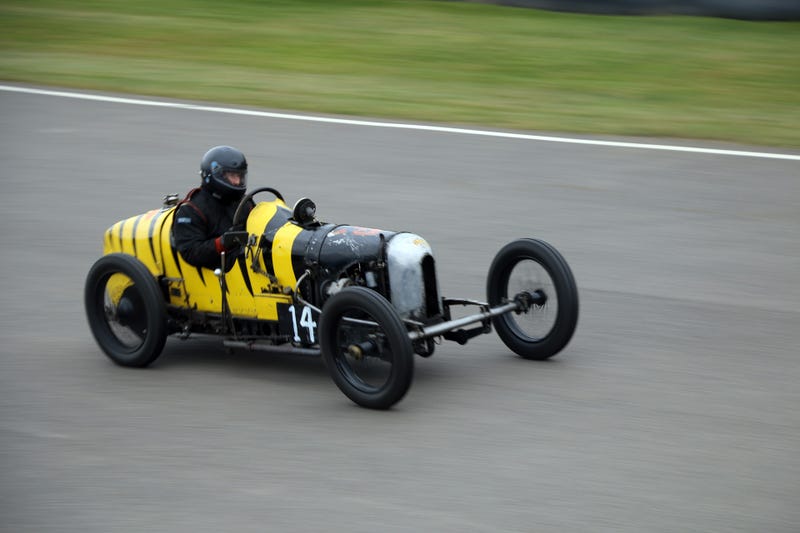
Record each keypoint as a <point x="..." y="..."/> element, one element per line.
<point x="395" y="125"/>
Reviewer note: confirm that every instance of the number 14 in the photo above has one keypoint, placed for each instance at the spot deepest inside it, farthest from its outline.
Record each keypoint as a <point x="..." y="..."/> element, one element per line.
<point x="306" y="321"/>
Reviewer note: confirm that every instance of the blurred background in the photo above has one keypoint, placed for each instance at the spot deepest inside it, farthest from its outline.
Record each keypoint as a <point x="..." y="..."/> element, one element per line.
<point x="438" y="61"/>
<point x="744" y="9"/>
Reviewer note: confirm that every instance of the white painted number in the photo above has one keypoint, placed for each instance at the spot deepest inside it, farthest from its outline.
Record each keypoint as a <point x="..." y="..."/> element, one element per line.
<point x="294" y="323"/>
<point x="306" y="321"/>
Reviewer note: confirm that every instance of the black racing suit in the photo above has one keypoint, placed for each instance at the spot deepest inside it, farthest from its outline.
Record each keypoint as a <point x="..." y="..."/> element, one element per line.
<point x="198" y="222"/>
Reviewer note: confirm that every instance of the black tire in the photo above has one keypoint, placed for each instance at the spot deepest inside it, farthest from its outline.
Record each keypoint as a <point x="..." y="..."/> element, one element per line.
<point x="126" y="310"/>
<point x="381" y="375"/>
<point x="535" y="266"/>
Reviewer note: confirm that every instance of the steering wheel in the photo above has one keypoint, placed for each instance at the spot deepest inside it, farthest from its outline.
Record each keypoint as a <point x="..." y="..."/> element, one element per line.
<point x="240" y="210"/>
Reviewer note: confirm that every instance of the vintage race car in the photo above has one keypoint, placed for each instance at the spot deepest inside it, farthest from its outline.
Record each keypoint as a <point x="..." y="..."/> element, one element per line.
<point x="366" y="300"/>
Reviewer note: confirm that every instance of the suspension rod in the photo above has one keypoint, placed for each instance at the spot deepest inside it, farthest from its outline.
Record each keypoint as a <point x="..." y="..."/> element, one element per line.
<point x="444" y="327"/>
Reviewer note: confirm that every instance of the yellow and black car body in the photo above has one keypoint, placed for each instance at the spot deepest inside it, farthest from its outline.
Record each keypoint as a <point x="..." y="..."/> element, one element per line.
<point x="364" y="299"/>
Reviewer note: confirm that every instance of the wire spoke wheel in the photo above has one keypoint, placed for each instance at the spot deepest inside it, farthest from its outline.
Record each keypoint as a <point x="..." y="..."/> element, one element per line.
<point x="535" y="267"/>
<point x="539" y="320"/>
<point x="366" y="348"/>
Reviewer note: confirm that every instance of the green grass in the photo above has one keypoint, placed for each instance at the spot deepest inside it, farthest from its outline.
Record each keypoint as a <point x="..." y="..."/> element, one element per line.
<point x="434" y="61"/>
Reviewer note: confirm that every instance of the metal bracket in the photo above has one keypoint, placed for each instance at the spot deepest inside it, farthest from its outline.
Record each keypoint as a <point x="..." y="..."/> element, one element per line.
<point x="461" y="336"/>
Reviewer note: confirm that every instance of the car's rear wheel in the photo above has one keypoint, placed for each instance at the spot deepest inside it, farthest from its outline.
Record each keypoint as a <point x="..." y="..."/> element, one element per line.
<point x="534" y="267"/>
<point x="366" y="348"/>
<point x="125" y="310"/>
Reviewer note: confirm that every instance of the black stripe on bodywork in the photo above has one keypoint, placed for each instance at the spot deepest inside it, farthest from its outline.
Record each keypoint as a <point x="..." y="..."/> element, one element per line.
<point x="275" y="223"/>
<point x="119" y="236"/>
<point x="133" y="234"/>
<point x="150" y="237"/>
<point x="299" y="247"/>
<point x="243" y="268"/>
<point x="172" y="248"/>
<point x="175" y="255"/>
<point x="177" y="260"/>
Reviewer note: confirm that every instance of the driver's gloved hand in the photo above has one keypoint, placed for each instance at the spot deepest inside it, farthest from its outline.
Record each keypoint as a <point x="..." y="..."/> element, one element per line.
<point x="230" y="240"/>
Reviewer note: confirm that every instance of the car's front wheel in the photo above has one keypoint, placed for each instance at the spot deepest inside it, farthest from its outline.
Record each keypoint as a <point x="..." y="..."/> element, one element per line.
<point x="366" y="348"/>
<point x="126" y="310"/>
<point x="534" y="267"/>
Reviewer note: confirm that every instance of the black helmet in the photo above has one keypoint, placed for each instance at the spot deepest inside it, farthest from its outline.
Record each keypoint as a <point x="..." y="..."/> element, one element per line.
<point x="223" y="172"/>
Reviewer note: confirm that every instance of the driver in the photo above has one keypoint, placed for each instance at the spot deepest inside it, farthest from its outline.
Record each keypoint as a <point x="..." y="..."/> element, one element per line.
<point x="206" y="214"/>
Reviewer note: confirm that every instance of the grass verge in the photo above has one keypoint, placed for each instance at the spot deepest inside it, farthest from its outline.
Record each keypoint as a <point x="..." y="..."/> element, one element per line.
<point x="435" y="61"/>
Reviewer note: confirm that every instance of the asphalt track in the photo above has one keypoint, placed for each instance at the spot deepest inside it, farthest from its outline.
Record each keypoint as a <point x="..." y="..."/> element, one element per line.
<point x="674" y="408"/>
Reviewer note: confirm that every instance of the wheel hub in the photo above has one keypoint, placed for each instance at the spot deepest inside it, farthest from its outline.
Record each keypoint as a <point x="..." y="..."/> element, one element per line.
<point x="527" y="299"/>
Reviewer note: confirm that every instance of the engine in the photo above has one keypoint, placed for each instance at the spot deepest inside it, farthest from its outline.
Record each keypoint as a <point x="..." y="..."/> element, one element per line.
<point x="399" y="265"/>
